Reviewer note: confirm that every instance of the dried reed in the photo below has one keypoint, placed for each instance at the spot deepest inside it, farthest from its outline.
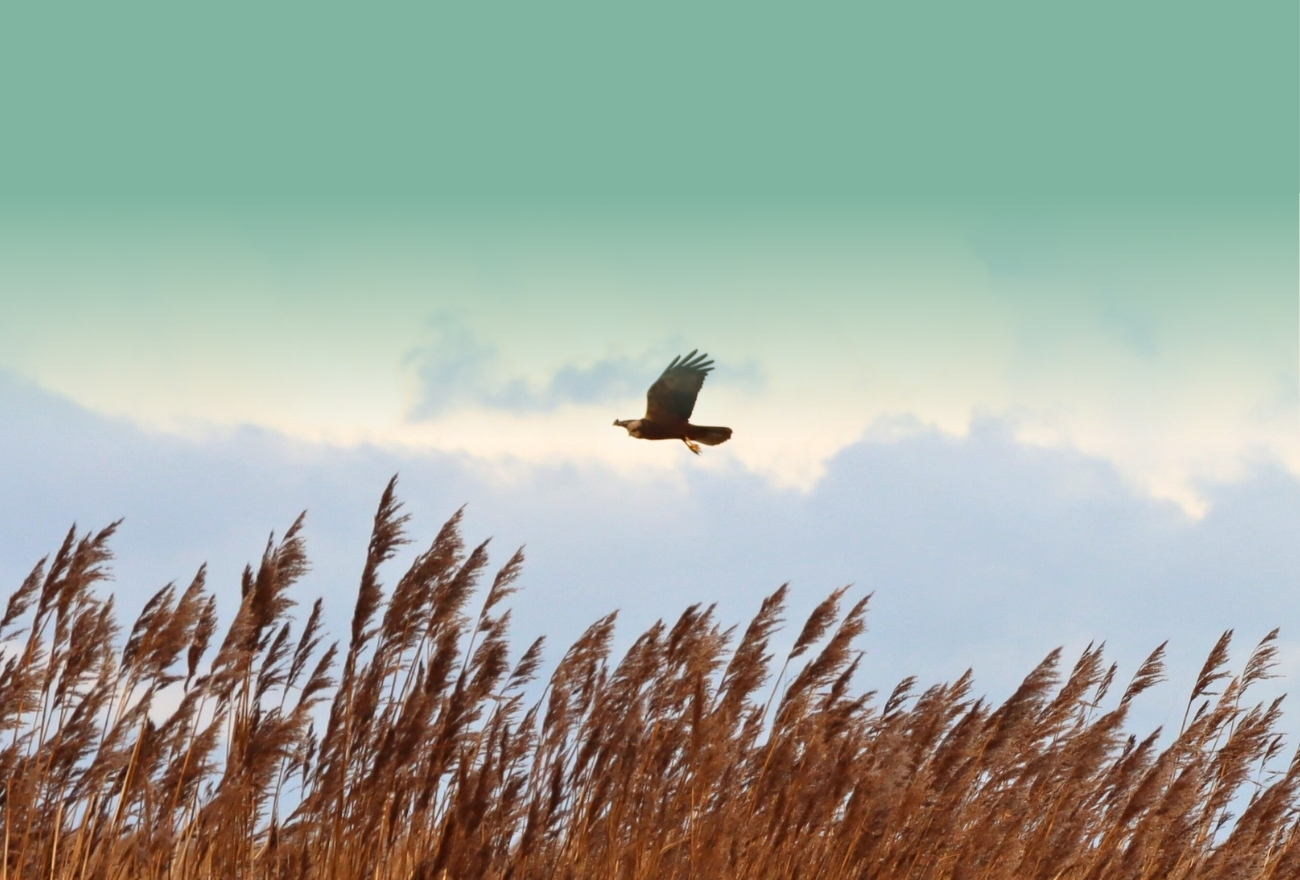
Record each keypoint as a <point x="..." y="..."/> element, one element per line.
<point x="679" y="760"/>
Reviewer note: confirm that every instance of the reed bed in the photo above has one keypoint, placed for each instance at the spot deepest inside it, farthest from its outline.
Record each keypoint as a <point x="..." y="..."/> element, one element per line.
<point x="420" y="750"/>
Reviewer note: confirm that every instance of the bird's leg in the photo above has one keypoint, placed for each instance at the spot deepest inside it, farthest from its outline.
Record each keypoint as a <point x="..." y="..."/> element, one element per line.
<point x="693" y="447"/>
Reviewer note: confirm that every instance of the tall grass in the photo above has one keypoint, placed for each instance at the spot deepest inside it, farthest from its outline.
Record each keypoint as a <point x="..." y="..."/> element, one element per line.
<point x="413" y="750"/>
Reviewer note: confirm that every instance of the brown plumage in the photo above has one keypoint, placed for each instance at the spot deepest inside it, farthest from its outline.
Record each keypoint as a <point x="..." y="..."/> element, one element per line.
<point x="669" y="403"/>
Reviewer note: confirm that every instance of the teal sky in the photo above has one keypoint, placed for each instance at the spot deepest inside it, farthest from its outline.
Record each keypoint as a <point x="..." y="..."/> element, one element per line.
<point x="671" y="102"/>
<point x="1003" y="298"/>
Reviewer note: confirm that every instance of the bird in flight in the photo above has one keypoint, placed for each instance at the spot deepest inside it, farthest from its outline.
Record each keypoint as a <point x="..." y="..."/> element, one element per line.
<point x="669" y="403"/>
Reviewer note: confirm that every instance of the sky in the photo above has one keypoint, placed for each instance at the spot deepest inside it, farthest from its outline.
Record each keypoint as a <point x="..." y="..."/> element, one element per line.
<point x="1003" y="302"/>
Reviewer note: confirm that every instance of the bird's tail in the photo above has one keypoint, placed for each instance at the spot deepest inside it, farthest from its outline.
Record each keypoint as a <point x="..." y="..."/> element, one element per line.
<point x="707" y="435"/>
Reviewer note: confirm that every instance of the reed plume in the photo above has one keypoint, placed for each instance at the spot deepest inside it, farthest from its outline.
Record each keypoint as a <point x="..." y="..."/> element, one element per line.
<point x="427" y="752"/>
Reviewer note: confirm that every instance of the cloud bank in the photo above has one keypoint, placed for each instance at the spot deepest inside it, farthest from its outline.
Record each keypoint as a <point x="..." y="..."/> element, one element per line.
<point x="981" y="551"/>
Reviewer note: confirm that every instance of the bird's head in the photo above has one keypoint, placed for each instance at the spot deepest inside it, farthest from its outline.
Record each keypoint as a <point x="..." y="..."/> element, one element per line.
<point x="633" y="426"/>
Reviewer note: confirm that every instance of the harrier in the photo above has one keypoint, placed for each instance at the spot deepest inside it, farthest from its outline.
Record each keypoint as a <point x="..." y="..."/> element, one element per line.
<point x="669" y="403"/>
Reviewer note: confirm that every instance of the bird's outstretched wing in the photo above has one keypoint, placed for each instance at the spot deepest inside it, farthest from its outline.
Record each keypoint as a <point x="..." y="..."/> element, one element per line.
<point x="673" y="394"/>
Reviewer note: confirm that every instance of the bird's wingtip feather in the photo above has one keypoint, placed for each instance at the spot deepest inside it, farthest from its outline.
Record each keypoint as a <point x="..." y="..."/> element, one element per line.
<point x="694" y="362"/>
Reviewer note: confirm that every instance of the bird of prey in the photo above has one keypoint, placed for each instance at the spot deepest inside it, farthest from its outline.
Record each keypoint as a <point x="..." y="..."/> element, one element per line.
<point x="669" y="403"/>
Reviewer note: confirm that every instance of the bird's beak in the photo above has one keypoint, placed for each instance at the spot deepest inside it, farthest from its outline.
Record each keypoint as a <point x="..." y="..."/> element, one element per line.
<point x="617" y="423"/>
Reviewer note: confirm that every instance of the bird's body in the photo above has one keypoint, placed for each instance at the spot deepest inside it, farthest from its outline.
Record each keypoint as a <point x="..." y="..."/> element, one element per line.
<point x="669" y="404"/>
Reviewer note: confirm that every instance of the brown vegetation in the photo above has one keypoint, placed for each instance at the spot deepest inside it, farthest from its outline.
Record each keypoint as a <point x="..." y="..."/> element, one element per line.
<point x="425" y="759"/>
